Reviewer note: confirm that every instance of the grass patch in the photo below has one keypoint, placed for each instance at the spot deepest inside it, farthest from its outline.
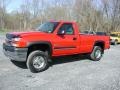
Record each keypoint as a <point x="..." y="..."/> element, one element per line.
<point x="3" y="31"/>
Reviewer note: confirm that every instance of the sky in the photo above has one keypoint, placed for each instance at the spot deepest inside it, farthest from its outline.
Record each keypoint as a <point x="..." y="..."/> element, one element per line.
<point x="14" y="5"/>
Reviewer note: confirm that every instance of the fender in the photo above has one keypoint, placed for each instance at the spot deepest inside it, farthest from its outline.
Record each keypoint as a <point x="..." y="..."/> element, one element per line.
<point x="97" y="42"/>
<point x="41" y="42"/>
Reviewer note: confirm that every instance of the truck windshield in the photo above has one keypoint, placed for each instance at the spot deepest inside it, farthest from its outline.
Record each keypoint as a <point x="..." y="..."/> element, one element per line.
<point x="47" y="27"/>
<point x="113" y="35"/>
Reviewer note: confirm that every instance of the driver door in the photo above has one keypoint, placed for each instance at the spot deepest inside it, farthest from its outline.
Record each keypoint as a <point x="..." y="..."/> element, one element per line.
<point x="65" y="44"/>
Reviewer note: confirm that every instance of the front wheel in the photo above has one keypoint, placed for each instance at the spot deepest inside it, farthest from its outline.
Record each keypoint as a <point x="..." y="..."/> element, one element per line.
<point x="96" y="54"/>
<point x="37" y="61"/>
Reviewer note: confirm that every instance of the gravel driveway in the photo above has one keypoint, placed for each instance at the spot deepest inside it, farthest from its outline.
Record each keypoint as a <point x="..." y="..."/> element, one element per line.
<point x="66" y="73"/>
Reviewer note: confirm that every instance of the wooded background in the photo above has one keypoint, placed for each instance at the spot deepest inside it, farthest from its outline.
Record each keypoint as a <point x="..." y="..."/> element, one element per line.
<point x="97" y="15"/>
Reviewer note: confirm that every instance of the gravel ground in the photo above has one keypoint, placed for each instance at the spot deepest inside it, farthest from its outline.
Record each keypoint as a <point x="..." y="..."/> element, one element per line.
<point x="66" y="73"/>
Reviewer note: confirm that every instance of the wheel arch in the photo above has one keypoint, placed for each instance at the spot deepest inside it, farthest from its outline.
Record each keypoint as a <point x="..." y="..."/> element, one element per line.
<point x="100" y="43"/>
<point x="116" y="39"/>
<point x="40" y="45"/>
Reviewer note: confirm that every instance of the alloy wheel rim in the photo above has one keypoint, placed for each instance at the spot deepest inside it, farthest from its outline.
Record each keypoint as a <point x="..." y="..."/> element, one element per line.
<point x="38" y="62"/>
<point x="98" y="54"/>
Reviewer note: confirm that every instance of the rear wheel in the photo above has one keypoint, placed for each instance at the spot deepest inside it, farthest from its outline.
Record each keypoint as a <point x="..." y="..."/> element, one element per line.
<point x="37" y="61"/>
<point x="96" y="54"/>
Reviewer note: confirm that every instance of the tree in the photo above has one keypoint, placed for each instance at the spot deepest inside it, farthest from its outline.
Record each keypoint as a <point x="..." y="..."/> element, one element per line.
<point x="97" y="15"/>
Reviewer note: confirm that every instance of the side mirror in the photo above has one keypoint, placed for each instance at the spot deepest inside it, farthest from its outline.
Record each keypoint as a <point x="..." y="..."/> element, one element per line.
<point x="61" y="32"/>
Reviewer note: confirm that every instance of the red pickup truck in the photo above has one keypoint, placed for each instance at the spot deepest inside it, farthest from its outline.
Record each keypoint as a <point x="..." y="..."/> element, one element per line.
<point x="51" y="39"/>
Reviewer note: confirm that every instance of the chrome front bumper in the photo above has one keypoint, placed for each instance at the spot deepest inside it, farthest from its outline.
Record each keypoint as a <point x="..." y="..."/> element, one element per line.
<point x="16" y="54"/>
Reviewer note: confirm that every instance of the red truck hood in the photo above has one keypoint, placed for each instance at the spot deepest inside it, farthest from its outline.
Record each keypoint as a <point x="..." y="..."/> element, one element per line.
<point x="27" y="33"/>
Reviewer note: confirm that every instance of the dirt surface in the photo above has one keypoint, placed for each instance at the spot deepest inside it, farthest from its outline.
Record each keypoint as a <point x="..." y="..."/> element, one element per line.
<point x="65" y="73"/>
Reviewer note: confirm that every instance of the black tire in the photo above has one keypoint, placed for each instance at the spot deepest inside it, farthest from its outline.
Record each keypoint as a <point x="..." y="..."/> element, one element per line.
<point x="33" y="59"/>
<point x="93" y="55"/>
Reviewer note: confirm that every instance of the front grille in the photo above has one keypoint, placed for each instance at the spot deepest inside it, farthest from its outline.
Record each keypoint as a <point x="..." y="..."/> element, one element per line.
<point x="8" y="48"/>
<point x="8" y="42"/>
<point x="9" y="38"/>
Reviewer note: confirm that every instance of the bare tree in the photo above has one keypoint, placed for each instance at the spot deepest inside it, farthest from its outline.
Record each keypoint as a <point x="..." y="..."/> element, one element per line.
<point x="97" y="15"/>
<point x="111" y="9"/>
<point x="3" y="6"/>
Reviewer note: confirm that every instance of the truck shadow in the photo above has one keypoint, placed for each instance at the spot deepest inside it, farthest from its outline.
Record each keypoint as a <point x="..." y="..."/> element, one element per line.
<point x="68" y="59"/>
<point x="56" y="60"/>
<point x="19" y="64"/>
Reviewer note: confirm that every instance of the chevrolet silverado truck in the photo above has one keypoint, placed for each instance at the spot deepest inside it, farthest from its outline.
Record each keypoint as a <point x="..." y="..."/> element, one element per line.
<point x="53" y="39"/>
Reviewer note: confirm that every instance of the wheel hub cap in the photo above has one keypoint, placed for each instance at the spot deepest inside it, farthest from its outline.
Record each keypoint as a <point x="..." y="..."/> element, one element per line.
<point x="98" y="54"/>
<point x="38" y="62"/>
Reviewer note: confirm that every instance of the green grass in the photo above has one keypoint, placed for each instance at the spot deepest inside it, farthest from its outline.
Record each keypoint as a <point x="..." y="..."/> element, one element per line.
<point x="3" y="31"/>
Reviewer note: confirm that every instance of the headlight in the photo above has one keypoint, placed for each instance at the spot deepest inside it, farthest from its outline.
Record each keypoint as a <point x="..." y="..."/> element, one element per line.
<point x="15" y="41"/>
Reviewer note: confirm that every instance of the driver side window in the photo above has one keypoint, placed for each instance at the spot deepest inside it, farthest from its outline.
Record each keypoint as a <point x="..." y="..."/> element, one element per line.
<point x="68" y="28"/>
